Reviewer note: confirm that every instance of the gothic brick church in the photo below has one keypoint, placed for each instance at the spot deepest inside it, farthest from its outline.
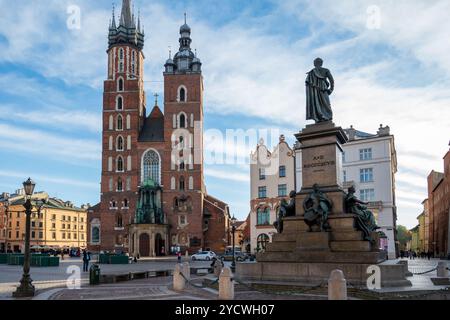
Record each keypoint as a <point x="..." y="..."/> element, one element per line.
<point x="153" y="198"/>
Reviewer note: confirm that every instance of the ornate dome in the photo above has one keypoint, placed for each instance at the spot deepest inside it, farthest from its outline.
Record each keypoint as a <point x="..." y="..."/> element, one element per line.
<point x="185" y="28"/>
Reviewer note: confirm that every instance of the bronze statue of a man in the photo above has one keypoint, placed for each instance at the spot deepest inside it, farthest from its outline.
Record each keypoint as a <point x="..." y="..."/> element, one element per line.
<point x="319" y="86"/>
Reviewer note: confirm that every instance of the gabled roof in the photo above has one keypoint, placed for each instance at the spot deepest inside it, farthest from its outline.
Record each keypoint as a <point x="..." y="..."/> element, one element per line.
<point x="153" y="129"/>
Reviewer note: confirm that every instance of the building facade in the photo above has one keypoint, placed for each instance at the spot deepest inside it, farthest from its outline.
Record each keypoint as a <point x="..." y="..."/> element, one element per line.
<point x="272" y="177"/>
<point x="58" y="225"/>
<point x="439" y="210"/>
<point x="153" y="197"/>
<point x="421" y="233"/>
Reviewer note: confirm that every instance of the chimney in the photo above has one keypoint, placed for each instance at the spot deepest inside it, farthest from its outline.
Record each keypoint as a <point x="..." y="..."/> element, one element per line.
<point x="351" y="133"/>
<point x="383" y="131"/>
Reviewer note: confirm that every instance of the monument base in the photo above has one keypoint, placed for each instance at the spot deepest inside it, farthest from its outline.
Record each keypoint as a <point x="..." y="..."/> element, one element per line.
<point x="315" y="273"/>
<point x="304" y="257"/>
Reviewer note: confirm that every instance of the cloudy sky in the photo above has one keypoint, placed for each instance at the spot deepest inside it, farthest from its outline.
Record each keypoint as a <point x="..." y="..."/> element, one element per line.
<point x="390" y="60"/>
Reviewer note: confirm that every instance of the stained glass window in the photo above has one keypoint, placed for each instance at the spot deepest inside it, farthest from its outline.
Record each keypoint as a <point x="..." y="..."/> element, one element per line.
<point x="151" y="166"/>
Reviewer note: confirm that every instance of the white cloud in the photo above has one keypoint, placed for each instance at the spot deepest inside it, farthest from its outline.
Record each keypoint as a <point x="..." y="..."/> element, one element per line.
<point x="55" y="180"/>
<point x="48" y="145"/>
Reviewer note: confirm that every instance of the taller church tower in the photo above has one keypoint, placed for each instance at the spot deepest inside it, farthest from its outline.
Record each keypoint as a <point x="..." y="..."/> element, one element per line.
<point x="123" y="116"/>
<point x="183" y="135"/>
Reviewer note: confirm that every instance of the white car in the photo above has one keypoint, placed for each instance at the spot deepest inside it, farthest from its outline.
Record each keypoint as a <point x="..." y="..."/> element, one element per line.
<point x="203" y="255"/>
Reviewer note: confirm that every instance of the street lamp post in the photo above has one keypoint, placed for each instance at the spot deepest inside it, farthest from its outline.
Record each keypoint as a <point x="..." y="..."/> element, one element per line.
<point x="233" y="231"/>
<point x="5" y="227"/>
<point x="26" y="288"/>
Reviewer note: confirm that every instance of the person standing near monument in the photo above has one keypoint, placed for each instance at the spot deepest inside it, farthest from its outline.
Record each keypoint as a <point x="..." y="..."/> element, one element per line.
<point x="319" y="86"/>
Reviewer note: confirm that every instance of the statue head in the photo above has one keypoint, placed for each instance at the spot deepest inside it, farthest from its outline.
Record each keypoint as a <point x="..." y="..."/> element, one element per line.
<point x="351" y="189"/>
<point x="318" y="62"/>
<point x="315" y="187"/>
<point x="292" y="194"/>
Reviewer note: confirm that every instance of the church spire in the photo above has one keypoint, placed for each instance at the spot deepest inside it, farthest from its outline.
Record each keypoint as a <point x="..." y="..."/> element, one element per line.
<point x="128" y="31"/>
<point x="126" y="18"/>
<point x="113" y="23"/>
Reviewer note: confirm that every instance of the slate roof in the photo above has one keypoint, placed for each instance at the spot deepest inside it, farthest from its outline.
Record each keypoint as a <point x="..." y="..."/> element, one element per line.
<point x="153" y="128"/>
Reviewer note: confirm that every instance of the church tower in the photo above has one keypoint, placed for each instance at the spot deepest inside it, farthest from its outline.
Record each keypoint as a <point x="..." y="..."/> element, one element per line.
<point x="183" y="135"/>
<point x="123" y="116"/>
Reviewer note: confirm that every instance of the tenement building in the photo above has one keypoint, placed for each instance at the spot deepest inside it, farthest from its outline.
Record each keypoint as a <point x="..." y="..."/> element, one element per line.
<point x="369" y="164"/>
<point x="153" y="196"/>
<point x="271" y="179"/>
<point x="439" y="210"/>
<point x="57" y="225"/>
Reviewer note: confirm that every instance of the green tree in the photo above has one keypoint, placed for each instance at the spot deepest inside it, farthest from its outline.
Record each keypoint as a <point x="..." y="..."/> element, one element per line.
<point x="403" y="236"/>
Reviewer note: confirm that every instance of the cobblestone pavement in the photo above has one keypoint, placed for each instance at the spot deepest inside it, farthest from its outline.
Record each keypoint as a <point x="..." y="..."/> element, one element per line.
<point x="159" y="289"/>
<point x="419" y="282"/>
<point x="56" y="277"/>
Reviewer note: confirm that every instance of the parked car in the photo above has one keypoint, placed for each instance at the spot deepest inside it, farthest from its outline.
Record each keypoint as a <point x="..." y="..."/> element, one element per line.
<point x="238" y="256"/>
<point x="203" y="255"/>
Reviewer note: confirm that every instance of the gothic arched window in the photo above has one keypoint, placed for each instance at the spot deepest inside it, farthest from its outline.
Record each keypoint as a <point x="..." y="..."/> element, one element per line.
<point x="119" y="104"/>
<point x="119" y="220"/>
<point x="95" y="238"/>
<point x="119" y="184"/>
<point x="119" y="164"/>
<point x="181" y="183"/>
<point x="119" y="143"/>
<point x="120" y="85"/>
<point x="151" y="166"/>
<point x="182" y="94"/>
<point x="119" y="122"/>
<point x="182" y="121"/>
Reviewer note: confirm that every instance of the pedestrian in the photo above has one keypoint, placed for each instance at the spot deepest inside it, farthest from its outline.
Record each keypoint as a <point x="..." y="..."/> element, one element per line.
<point x="62" y="254"/>
<point x="86" y="258"/>
<point x="179" y="256"/>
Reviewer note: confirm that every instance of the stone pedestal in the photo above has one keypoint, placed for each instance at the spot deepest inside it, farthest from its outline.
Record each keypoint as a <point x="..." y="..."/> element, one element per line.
<point x="321" y="146"/>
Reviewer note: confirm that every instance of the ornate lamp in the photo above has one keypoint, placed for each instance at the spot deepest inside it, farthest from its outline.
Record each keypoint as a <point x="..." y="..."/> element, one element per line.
<point x="28" y="186"/>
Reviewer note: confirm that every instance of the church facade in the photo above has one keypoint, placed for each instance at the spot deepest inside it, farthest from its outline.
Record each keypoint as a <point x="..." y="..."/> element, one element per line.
<point x="153" y="197"/>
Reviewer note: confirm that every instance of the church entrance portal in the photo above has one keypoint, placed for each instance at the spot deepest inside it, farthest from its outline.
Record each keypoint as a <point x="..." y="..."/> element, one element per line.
<point x="144" y="245"/>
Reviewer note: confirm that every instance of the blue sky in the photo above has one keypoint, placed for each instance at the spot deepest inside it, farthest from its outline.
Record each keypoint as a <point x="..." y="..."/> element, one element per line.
<point x="255" y="54"/>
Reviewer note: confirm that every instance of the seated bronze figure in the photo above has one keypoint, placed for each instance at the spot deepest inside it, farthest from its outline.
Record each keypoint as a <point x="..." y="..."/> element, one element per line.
<point x="317" y="207"/>
<point x="285" y="210"/>
<point x="365" y="220"/>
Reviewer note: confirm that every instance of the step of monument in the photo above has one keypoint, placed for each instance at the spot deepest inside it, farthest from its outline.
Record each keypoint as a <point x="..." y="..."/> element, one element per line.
<point x="285" y="246"/>
<point x="297" y="225"/>
<point x="342" y="222"/>
<point x="321" y="257"/>
<point x="360" y="246"/>
<point x="348" y="235"/>
<point x="285" y="236"/>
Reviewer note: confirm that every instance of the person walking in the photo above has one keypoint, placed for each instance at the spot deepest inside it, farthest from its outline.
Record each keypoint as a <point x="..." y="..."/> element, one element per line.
<point x="86" y="258"/>
<point x="179" y="256"/>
